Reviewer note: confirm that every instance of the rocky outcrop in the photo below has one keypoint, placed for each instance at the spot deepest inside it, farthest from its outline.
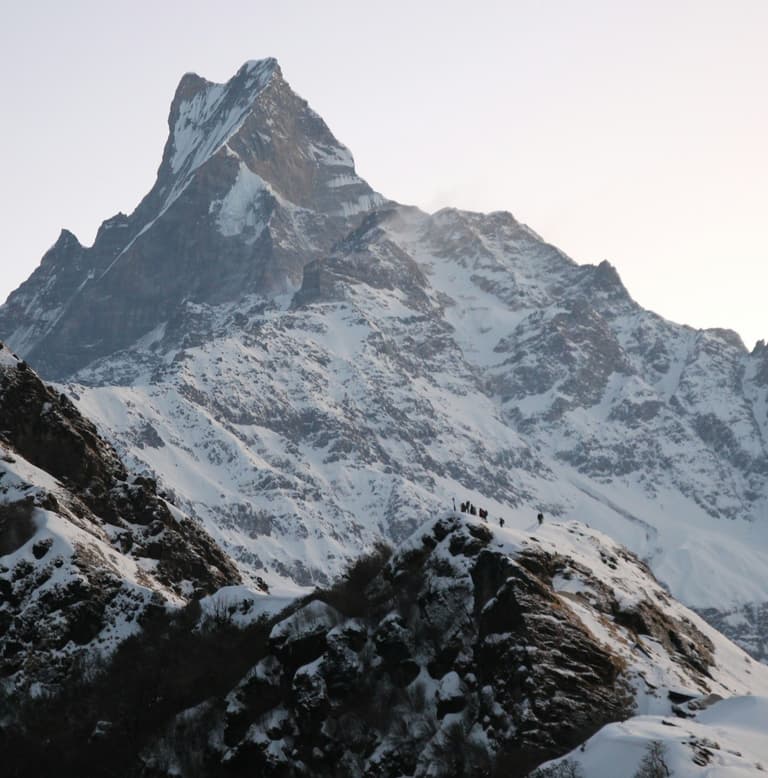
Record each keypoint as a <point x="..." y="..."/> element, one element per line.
<point x="459" y="659"/>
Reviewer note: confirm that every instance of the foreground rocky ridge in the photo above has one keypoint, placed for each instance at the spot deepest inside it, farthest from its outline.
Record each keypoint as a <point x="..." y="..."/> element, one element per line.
<point x="472" y="650"/>
<point x="309" y="369"/>
<point x="86" y="549"/>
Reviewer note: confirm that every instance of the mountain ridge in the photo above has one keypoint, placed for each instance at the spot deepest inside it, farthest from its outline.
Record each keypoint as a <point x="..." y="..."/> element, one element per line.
<point x="228" y="144"/>
<point x="308" y="380"/>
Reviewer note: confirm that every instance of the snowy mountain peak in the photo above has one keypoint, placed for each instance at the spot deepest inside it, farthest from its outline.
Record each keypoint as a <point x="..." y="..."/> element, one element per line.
<point x="252" y="66"/>
<point x="205" y="114"/>
<point x="252" y="186"/>
<point x="255" y="119"/>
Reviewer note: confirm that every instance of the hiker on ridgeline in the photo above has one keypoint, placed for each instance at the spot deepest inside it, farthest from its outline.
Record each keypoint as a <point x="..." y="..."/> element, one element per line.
<point x="463" y="507"/>
<point x="454" y="504"/>
<point x="483" y="514"/>
<point x="540" y="517"/>
<point x="501" y="522"/>
<point x="472" y="510"/>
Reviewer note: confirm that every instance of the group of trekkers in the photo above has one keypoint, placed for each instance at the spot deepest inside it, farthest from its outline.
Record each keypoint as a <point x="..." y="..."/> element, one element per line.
<point x="468" y="507"/>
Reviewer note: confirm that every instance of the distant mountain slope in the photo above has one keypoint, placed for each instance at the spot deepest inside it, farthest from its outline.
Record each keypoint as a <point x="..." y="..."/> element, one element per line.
<point x="312" y="385"/>
<point x="407" y="371"/>
<point x="86" y="550"/>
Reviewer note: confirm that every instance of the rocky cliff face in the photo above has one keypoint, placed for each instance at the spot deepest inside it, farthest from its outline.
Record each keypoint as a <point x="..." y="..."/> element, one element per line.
<point x="467" y="653"/>
<point x="86" y="549"/>
<point x="309" y="369"/>
<point x="475" y="651"/>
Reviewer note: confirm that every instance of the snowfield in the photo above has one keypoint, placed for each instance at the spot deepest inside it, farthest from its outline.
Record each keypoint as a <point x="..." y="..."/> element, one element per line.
<point x="727" y="738"/>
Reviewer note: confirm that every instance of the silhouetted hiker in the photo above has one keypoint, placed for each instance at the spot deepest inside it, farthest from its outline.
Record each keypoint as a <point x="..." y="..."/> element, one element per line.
<point x="483" y="514"/>
<point x="463" y="507"/>
<point x="501" y="522"/>
<point x="454" y="504"/>
<point x="472" y="510"/>
<point x="540" y="517"/>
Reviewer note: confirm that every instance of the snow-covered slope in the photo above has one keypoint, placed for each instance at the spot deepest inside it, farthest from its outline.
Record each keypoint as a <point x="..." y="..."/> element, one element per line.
<point x="726" y="738"/>
<point x="309" y="369"/>
<point x="86" y="550"/>
<point x="452" y="356"/>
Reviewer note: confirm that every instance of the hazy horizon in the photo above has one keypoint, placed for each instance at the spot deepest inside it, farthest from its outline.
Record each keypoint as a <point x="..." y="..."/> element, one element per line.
<point x="632" y="134"/>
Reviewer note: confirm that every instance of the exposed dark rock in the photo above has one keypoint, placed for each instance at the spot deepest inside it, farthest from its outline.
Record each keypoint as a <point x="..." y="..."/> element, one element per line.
<point x="16" y="524"/>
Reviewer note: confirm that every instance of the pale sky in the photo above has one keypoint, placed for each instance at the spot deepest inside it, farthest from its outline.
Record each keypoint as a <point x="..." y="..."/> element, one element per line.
<point x="630" y="131"/>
